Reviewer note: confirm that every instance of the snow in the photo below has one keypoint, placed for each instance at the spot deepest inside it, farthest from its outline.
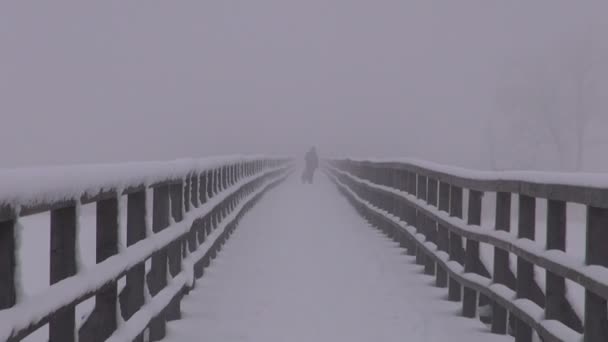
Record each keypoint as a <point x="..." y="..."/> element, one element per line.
<point x="503" y="294"/>
<point x="583" y="179"/>
<point x="46" y="300"/>
<point x="27" y="186"/>
<point x="303" y="266"/>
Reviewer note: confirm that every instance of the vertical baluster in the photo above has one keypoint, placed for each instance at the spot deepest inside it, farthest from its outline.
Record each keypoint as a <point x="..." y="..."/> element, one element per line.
<point x="443" y="239"/>
<point x="63" y="265"/>
<point x="102" y="322"/>
<point x="469" y="301"/>
<point x="174" y="252"/>
<point x="411" y="216"/>
<point x="525" y="269"/>
<point x="420" y="218"/>
<point x="456" y="249"/>
<point x="210" y="185"/>
<point x="596" y="314"/>
<point x="8" y="255"/>
<point x="157" y="277"/>
<point x="501" y="260"/>
<point x="132" y="296"/>
<point x="556" y="239"/>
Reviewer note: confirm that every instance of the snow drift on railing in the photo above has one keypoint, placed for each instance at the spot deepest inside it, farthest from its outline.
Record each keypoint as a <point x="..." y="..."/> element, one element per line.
<point x="25" y="186"/>
<point x="582" y="179"/>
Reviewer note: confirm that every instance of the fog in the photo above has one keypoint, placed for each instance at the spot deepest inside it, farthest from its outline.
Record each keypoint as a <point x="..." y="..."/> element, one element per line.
<point x="478" y="83"/>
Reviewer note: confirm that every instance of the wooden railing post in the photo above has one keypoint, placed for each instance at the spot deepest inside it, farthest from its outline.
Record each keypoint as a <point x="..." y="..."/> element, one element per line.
<point x="556" y="239"/>
<point x="132" y="296"/>
<point x="419" y="221"/>
<point x="456" y="249"/>
<point x="430" y="197"/>
<point x="501" y="260"/>
<point x="443" y="239"/>
<point x="525" y="269"/>
<point x="194" y="190"/>
<point x="596" y="312"/>
<point x="103" y="320"/>
<point x="8" y="255"/>
<point x="469" y="300"/>
<point x="212" y="183"/>
<point x="63" y="265"/>
<point x="173" y="311"/>
<point x="8" y="261"/>
<point x="157" y="277"/>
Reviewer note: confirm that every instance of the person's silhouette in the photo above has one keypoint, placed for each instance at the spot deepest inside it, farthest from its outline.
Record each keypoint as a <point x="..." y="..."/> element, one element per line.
<point x="312" y="163"/>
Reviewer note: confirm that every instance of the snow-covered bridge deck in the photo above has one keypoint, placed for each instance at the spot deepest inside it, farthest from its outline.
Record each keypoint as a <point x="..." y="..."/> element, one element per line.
<point x="303" y="266"/>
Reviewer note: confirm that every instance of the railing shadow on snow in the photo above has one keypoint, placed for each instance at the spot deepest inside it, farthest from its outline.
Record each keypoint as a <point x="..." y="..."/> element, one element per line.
<point x="420" y="205"/>
<point x="195" y="205"/>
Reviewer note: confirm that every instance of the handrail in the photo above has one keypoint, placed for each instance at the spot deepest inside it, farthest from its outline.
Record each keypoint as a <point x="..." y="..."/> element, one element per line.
<point x="422" y="208"/>
<point x="194" y="206"/>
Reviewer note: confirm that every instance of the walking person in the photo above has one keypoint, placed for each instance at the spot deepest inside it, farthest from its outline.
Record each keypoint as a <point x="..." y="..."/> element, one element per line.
<point x="312" y="163"/>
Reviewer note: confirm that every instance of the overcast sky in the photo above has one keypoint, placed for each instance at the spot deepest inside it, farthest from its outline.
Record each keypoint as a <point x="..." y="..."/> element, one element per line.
<point x="116" y="80"/>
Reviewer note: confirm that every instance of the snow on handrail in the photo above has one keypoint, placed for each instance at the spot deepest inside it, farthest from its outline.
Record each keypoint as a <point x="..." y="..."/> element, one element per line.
<point x="36" y="189"/>
<point x="580" y="187"/>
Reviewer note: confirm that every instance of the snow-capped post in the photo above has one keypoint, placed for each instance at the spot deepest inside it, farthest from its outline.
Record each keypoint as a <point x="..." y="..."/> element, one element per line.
<point x="194" y="190"/>
<point x="8" y="255"/>
<point x="157" y="276"/>
<point x="210" y="186"/>
<point x="174" y="253"/>
<point x="202" y="187"/>
<point x="501" y="260"/>
<point x="596" y="309"/>
<point x="443" y="239"/>
<point x="103" y="320"/>
<point x="134" y="291"/>
<point x="456" y="249"/>
<point x="471" y="260"/>
<point x="63" y="265"/>
<point x="525" y="269"/>
<point x="224" y="177"/>
<point x="194" y="202"/>
<point x="187" y="186"/>
<point x="555" y="294"/>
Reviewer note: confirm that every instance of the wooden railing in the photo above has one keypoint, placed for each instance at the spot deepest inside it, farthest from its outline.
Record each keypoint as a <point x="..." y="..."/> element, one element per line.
<point x="195" y="205"/>
<point x="421" y="206"/>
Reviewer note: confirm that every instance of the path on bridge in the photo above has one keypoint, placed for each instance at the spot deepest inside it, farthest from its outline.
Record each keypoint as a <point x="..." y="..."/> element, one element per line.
<point x="303" y="266"/>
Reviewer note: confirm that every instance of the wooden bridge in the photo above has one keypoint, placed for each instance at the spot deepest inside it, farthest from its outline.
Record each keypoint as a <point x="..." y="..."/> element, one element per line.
<point x="160" y="225"/>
